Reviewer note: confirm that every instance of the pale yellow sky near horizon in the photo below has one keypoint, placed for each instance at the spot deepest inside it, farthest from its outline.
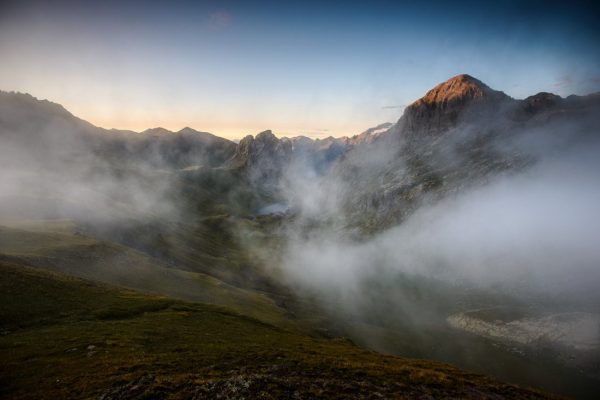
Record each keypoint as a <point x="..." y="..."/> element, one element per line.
<point x="231" y="129"/>
<point x="297" y="72"/>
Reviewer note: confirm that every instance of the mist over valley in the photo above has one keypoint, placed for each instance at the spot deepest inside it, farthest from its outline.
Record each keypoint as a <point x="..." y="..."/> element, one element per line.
<point x="225" y="200"/>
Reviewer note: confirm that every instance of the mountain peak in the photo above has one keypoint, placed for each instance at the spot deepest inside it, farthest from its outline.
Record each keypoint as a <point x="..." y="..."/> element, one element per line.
<point x="25" y="100"/>
<point x="465" y="78"/>
<point x="187" y="130"/>
<point x="267" y="138"/>
<point x="157" y="131"/>
<point x="458" y="88"/>
<point x="442" y="106"/>
<point x="268" y="134"/>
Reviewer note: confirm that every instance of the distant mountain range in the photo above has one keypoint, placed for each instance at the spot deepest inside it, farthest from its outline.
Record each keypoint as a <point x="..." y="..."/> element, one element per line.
<point x="390" y="167"/>
<point x="427" y="122"/>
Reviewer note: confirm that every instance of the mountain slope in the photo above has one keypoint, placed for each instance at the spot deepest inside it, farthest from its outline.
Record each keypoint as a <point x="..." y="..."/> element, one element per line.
<point x="59" y="247"/>
<point x="48" y="133"/>
<point x="460" y="134"/>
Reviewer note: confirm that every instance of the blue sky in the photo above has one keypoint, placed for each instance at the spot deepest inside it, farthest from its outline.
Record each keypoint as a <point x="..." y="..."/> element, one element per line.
<point x="316" y="68"/>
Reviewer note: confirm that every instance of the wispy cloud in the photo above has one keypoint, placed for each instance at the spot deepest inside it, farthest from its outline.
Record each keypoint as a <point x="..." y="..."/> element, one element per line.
<point x="563" y="81"/>
<point x="595" y="79"/>
<point x="392" y="107"/>
<point x="314" y="133"/>
<point x="220" y="19"/>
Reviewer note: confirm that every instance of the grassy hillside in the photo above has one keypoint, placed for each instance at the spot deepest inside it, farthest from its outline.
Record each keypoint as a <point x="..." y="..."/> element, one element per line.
<point x="55" y="245"/>
<point x="62" y="337"/>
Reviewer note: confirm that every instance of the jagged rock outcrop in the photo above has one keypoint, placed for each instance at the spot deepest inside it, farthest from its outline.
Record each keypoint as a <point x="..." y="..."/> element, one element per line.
<point x="252" y="150"/>
<point x="262" y="159"/>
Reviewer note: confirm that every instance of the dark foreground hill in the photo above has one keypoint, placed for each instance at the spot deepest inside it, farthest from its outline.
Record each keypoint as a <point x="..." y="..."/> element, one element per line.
<point x="62" y="337"/>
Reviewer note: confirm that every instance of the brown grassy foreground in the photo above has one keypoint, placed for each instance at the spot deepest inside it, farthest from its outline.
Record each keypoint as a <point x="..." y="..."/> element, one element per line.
<point x="62" y="337"/>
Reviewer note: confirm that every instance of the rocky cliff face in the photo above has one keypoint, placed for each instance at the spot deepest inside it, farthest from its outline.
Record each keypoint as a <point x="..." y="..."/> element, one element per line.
<point x="264" y="147"/>
<point x="265" y="159"/>
<point x="262" y="159"/>
<point x="444" y="106"/>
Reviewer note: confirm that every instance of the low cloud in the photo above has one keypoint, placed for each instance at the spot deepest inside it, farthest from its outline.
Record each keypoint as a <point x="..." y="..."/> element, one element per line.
<point x="526" y="235"/>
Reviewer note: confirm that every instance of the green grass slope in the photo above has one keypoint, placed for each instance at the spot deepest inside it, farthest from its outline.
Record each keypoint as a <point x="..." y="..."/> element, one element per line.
<point x="62" y="337"/>
<point x="55" y="246"/>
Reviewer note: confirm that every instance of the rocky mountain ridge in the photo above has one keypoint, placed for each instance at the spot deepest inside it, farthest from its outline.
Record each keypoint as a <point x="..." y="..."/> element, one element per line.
<point x="462" y="119"/>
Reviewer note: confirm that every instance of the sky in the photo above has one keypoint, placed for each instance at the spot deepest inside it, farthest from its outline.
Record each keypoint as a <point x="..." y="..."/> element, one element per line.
<point x="299" y="68"/>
